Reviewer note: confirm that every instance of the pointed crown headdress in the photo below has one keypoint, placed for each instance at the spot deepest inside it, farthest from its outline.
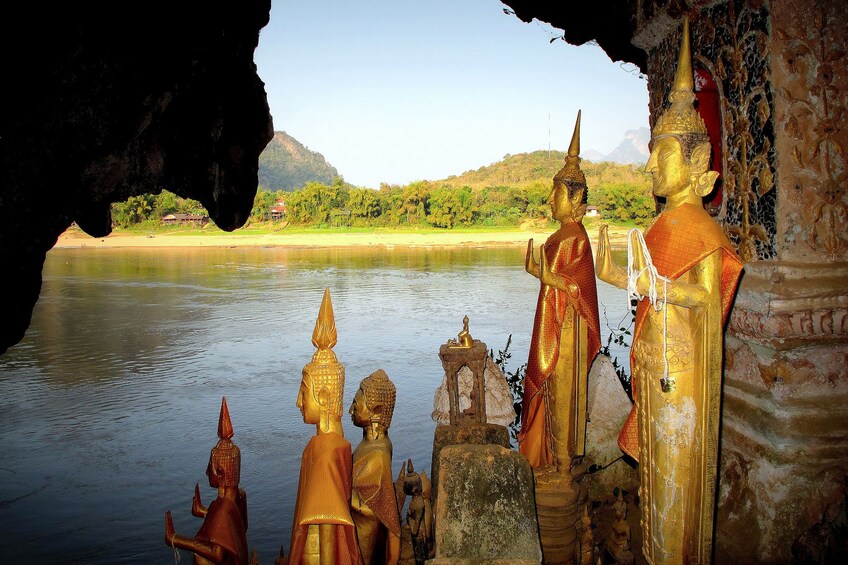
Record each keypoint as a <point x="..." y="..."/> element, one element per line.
<point x="380" y="391"/>
<point x="681" y="117"/>
<point x="226" y="455"/>
<point x="325" y="369"/>
<point x="571" y="170"/>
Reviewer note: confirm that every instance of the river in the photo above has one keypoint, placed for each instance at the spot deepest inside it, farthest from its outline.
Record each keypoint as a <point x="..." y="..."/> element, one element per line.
<point x="109" y="406"/>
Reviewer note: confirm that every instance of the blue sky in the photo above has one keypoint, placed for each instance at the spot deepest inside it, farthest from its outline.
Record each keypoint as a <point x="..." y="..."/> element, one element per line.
<point x="396" y="91"/>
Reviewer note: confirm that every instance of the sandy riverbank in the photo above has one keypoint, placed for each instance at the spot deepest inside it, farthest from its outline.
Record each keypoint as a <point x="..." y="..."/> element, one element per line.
<point x="76" y="238"/>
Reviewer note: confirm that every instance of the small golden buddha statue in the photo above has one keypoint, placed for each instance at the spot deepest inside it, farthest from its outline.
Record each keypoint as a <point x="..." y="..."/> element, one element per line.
<point x="419" y="513"/>
<point x="690" y="270"/>
<point x="223" y="536"/>
<point x="323" y="529"/>
<point x="566" y="331"/>
<point x="464" y="338"/>
<point x="618" y="542"/>
<point x="585" y="549"/>
<point x="373" y="502"/>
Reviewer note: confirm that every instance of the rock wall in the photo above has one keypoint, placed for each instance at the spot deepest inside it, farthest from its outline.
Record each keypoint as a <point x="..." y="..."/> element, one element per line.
<point x="102" y="101"/>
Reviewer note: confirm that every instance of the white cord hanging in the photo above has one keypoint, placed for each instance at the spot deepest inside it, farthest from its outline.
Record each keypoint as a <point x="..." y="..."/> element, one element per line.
<point x="653" y="277"/>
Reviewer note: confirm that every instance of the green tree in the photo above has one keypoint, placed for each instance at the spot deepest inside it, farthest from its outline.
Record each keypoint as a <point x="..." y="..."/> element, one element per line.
<point x="449" y="207"/>
<point x="315" y="202"/>
<point x="391" y="203"/>
<point x="262" y="203"/>
<point x="364" y="203"/>
<point x="415" y="196"/>
<point x="134" y="210"/>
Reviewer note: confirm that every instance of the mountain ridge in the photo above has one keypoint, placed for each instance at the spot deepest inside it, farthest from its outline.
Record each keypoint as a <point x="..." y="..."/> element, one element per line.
<point x="286" y="164"/>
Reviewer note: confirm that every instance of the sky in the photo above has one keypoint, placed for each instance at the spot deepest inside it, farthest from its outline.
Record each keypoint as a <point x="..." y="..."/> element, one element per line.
<point x="396" y="91"/>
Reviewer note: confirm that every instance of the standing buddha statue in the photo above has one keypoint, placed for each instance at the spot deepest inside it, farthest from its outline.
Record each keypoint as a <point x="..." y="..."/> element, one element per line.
<point x="323" y="529"/>
<point x="566" y="332"/>
<point x="222" y="539"/>
<point x="374" y="502"/>
<point x="690" y="270"/>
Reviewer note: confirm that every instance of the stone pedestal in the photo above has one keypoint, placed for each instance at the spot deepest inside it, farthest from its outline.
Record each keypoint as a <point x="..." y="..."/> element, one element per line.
<point x="485" y="434"/>
<point x="485" y="511"/>
<point x="559" y="503"/>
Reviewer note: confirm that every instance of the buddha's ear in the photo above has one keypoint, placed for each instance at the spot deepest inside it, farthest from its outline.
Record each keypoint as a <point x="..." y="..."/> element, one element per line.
<point x="705" y="183"/>
<point x="699" y="162"/>
<point x="377" y="413"/>
<point x="323" y="396"/>
<point x="579" y="209"/>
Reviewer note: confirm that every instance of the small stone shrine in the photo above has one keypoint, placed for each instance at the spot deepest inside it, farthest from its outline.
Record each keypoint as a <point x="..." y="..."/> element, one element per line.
<point x="464" y="351"/>
<point x="484" y="476"/>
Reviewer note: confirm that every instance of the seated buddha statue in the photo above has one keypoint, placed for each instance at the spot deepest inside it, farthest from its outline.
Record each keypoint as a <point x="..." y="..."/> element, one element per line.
<point x="373" y="502"/>
<point x="323" y="529"/>
<point x="464" y="338"/>
<point x="222" y="539"/>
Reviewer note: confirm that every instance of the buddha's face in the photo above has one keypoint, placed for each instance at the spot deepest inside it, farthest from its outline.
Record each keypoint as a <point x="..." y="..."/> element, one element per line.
<point x="561" y="205"/>
<point x="360" y="414"/>
<point x="668" y="167"/>
<point x="307" y="401"/>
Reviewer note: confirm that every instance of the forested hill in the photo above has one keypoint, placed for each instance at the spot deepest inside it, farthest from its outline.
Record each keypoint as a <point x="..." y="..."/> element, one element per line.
<point x="524" y="169"/>
<point x="286" y="164"/>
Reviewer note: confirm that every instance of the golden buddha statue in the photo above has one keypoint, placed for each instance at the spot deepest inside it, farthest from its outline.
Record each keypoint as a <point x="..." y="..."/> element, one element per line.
<point x="464" y="339"/>
<point x="373" y="502"/>
<point x="419" y="513"/>
<point x="566" y="332"/>
<point x="223" y="536"/>
<point x="584" y="553"/>
<point x="690" y="270"/>
<point x="323" y="529"/>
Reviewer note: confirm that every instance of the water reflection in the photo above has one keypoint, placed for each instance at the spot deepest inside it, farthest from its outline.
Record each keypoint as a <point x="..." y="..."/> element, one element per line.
<point x="110" y="403"/>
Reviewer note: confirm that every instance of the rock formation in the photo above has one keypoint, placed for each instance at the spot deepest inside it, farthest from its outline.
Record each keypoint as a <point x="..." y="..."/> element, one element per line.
<point x="104" y="101"/>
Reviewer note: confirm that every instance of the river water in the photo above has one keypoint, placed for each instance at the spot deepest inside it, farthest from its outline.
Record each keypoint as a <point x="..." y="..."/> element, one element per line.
<point x="109" y="406"/>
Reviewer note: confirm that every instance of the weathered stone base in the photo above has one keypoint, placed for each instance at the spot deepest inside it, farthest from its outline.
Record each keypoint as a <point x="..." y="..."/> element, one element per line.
<point x="559" y="505"/>
<point x="485" y="511"/>
<point x="469" y="434"/>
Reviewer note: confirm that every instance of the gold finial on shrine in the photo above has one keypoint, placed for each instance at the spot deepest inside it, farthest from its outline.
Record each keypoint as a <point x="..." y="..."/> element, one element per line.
<point x="571" y="170"/>
<point x="681" y="117"/>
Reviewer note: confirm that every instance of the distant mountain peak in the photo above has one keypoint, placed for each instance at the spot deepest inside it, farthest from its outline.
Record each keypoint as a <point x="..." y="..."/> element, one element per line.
<point x="287" y="164"/>
<point x="632" y="150"/>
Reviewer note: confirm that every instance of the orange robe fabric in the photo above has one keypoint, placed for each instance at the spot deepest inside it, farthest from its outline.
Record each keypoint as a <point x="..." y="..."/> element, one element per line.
<point x="224" y="526"/>
<point x="569" y="253"/>
<point x="323" y="497"/>
<point x="372" y="479"/>
<point x="678" y="240"/>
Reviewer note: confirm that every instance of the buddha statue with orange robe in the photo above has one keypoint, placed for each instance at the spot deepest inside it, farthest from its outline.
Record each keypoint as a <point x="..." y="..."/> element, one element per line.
<point x="566" y="331"/>
<point x="222" y="539"/>
<point x="689" y="270"/>
<point x="323" y="530"/>
<point x="374" y="501"/>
